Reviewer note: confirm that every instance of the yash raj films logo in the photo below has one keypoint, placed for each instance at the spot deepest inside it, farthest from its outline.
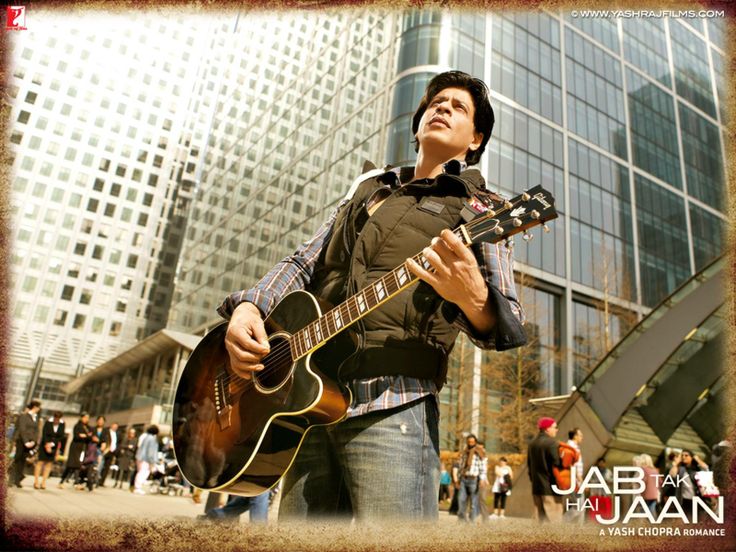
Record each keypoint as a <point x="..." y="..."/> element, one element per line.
<point x="16" y="18"/>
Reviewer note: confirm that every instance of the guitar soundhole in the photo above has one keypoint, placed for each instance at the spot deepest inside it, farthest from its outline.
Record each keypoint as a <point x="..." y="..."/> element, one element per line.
<point x="276" y="365"/>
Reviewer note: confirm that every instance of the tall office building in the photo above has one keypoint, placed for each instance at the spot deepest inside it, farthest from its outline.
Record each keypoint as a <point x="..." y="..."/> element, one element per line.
<point x="622" y="120"/>
<point x="98" y="143"/>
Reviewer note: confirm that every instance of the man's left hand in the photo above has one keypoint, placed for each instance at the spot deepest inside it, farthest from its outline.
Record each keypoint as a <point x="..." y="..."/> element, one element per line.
<point x="456" y="278"/>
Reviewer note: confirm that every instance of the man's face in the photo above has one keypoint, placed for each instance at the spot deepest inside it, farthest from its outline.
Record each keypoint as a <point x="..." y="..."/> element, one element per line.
<point x="551" y="430"/>
<point x="100" y="422"/>
<point x="470" y="442"/>
<point x="114" y="427"/>
<point x="85" y="419"/>
<point x="447" y="130"/>
<point x="578" y="436"/>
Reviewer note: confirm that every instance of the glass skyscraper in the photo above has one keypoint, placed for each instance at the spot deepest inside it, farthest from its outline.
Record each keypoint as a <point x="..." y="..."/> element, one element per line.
<point x="620" y="119"/>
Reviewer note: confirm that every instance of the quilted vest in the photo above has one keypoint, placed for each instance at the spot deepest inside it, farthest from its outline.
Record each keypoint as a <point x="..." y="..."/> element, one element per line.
<point x="411" y="334"/>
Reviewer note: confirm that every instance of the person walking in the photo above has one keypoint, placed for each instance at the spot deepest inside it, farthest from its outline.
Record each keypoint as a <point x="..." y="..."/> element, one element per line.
<point x="52" y="443"/>
<point x="26" y="440"/>
<point x="126" y="458"/>
<point x="542" y="456"/>
<point x="473" y="469"/>
<point x="501" y="487"/>
<point x="109" y="456"/>
<point x="81" y="435"/>
<point x="146" y="457"/>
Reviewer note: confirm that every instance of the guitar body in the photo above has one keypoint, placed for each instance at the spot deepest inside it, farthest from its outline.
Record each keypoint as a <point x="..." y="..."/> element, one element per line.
<point x="240" y="436"/>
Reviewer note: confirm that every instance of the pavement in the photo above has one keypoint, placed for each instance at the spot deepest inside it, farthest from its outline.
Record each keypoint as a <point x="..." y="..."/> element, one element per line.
<point x="107" y="502"/>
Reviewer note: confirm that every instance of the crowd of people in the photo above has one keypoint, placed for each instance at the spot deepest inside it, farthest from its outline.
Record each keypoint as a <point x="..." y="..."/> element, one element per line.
<point x="97" y="453"/>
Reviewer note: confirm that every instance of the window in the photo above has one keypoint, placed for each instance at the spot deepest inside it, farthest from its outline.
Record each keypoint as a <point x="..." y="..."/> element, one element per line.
<point x="78" y="321"/>
<point x="67" y="293"/>
<point x="23" y="117"/>
<point x="97" y="252"/>
<point x="92" y="205"/>
<point x="109" y="210"/>
<point x="60" y="317"/>
<point x="85" y="297"/>
<point x="132" y="261"/>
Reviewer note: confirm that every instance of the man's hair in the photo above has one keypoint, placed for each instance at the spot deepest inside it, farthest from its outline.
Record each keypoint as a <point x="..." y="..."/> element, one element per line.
<point x="471" y="436"/>
<point x="484" y="118"/>
<point x="100" y="418"/>
<point x="57" y="414"/>
<point x="83" y="414"/>
<point x="502" y="459"/>
<point x="153" y="430"/>
<point x="571" y="434"/>
<point x="35" y="403"/>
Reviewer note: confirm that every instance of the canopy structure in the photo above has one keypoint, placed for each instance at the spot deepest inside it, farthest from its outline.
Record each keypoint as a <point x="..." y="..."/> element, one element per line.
<point x="661" y="387"/>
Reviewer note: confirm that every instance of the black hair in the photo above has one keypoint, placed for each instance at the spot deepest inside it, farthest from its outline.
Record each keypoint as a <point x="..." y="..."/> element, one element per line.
<point x="153" y="430"/>
<point x="100" y="418"/>
<point x="571" y="434"/>
<point x="473" y="436"/>
<point x="34" y="404"/>
<point x="484" y="118"/>
<point x="57" y="414"/>
<point x="502" y="459"/>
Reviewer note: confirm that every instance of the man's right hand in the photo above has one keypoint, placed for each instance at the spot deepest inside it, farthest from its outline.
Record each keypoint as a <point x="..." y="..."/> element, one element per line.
<point x="246" y="340"/>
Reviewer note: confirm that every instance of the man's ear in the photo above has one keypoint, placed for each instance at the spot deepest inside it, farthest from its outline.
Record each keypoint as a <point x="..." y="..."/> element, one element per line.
<point x="477" y="141"/>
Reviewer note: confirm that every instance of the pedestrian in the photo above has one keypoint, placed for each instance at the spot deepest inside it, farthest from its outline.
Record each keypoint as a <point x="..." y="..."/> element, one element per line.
<point x="473" y="470"/>
<point x="109" y="456"/>
<point x="483" y="488"/>
<point x="576" y="514"/>
<point x="542" y="456"/>
<point x="388" y="217"/>
<point x="501" y="487"/>
<point x="146" y="458"/>
<point x="652" y="481"/>
<point x="445" y="483"/>
<point x="26" y="440"/>
<point x="89" y="470"/>
<point x="237" y="505"/>
<point x="600" y="499"/>
<point x="126" y="458"/>
<point x="81" y="435"/>
<point x="685" y="466"/>
<point x="52" y="443"/>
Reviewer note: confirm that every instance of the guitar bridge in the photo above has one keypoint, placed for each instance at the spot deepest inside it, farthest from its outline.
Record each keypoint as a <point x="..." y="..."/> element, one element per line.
<point x="221" y="405"/>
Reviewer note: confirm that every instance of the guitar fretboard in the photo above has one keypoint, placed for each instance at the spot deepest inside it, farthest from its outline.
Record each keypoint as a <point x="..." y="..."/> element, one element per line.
<point x="356" y="307"/>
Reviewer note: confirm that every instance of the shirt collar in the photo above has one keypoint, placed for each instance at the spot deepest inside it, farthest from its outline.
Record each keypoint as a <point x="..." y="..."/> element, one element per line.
<point x="396" y="176"/>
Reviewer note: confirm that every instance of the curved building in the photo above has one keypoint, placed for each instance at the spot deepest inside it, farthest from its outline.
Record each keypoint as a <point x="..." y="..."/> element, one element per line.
<point x="662" y="388"/>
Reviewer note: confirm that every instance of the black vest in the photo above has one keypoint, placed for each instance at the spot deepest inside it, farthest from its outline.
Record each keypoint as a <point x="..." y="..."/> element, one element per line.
<point x="411" y="334"/>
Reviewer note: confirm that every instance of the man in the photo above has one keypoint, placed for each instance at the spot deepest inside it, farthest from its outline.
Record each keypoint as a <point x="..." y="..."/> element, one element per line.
<point x="89" y="473"/>
<point x="574" y="439"/>
<point x="542" y="457"/>
<point x="473" y="473"/>
<point x="392" y="423"/>
<point x="26" y="438"/>
<point x="110" y="442"/>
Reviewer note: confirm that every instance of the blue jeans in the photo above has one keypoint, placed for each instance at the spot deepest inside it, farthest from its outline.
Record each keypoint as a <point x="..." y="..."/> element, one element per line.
<point x="468" y="489"/>
<point x="381" y="464"/>
<point x="236" y="505"/>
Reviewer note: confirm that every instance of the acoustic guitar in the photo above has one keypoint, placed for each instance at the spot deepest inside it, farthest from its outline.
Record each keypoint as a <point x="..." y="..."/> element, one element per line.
<point x="239" y="435"/>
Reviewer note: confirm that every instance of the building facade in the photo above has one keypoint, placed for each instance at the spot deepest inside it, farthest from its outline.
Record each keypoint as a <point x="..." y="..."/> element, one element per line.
<point x="99" y="146"/>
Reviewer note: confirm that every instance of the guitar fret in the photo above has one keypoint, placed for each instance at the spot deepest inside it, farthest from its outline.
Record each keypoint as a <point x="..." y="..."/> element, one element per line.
<point x="318" y="332"/>
<point x="337" y="319"/>
<point x="401" y="275"/>
<point x="307" y="340"/>
<point x="360" y="298"/>
<point x="380" y="292"/>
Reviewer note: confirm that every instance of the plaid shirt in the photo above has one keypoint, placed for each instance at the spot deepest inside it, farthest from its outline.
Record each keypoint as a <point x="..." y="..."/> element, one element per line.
<point x="477" y="468"/>
<point x="294" y="273"/>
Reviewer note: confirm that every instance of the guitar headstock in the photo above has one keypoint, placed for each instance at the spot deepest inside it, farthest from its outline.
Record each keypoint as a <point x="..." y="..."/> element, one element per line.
<point x="533" y="207"/>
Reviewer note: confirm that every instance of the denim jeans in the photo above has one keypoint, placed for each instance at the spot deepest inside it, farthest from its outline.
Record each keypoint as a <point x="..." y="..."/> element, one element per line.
<point x="236" y="505"/>
<point x="468" y="489"/>
<point x="379" y="465"/>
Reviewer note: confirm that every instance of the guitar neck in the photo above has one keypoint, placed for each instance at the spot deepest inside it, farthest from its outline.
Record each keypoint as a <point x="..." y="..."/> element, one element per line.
<point x="315" y="334"/>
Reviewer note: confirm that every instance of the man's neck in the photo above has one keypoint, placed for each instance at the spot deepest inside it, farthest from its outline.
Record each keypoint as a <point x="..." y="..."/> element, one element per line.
<point x="427" y="167"/>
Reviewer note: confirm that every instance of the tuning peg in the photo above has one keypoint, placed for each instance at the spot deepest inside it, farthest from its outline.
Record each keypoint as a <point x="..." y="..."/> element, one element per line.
<point x="507" y="205"/>
<point x="525" y="197"/>
<point x="517" y="222"/>
<point x="509" y="243"/>
<point x="498" y="230"/>
<point x="527" y="237"/>
<point x="535" y="214"/>
<point x="545" y="228"/>
<point x="491" y="213"/>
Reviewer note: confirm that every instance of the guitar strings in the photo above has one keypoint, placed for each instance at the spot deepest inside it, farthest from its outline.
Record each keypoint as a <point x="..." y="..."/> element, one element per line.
<point x="282" y="351"/>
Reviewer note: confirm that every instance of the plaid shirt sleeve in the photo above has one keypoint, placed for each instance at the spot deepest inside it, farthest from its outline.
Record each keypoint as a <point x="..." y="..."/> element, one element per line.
<point x="290" y="274"/>
<point x="496" y="263"/>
